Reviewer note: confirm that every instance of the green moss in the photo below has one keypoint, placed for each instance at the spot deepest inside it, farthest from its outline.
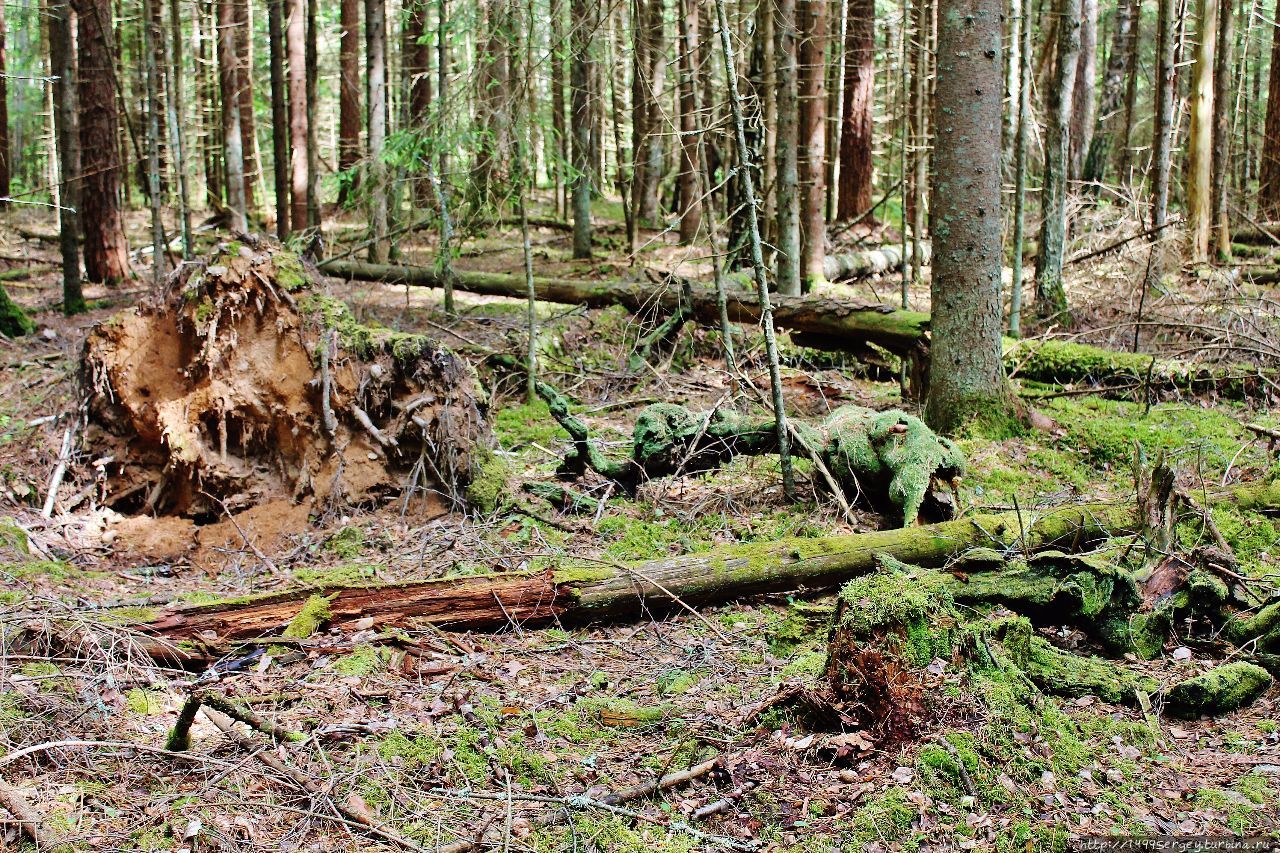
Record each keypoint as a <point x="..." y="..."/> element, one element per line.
<point x="901" y="598"/>
<point x="675" y="682"/>
<point x="809" y="666"/>
<point x="14" y="322"/>
<point x="343" y="574"/>
<point x="595" y="831"/>
<point x="526" y="424"/>
<point x="347" y="543"/>
<point x="1251" y="535"/>
<point x="421" y="750"/>
<point x="314" y="613"/>
<point x="1218" y="691"/>
<point x="289" y="272"/>
<point x="887" y="817"/>
<point x="362" y="660"/>
<point x="14" y="537"/>
<point x="490" y="486"/>
<point x="145" y="702"/>
<point x="1065" y="674"/>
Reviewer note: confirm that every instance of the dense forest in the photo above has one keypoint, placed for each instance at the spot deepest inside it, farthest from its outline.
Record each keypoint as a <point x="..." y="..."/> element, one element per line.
<point x="670" y="425"/>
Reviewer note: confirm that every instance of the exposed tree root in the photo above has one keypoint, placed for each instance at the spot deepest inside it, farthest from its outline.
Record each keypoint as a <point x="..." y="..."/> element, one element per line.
<point x="889" y="459"/>
<point x="239" y="383"/>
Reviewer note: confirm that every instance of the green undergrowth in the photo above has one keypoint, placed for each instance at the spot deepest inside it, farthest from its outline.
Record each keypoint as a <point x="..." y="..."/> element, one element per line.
<point x="655" y="534"/>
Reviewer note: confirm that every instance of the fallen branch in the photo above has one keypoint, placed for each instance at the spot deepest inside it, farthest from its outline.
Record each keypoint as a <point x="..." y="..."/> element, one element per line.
<point x="856" y="265"/>
<point x="28" y="819"/>
<point x="588" y="591"/>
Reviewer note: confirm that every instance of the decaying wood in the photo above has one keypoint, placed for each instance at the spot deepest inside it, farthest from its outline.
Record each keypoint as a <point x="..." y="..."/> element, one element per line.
<point x="886" y="258"/>
<point x="28" y="819"/>
<point x="586" y="590"/>
<point x="843" y="325"/>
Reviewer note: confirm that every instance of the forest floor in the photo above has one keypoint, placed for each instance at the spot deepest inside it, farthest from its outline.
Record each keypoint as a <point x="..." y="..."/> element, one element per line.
<point x="496" y="736"/>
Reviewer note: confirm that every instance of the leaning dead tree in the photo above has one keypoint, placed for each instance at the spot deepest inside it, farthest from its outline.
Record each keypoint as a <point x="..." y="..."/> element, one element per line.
<point x="239" y="382"/>
<point x="889" y="460"/>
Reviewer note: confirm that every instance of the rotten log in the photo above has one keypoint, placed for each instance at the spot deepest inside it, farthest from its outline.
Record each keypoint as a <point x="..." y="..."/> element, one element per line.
<point x="588" y="590"/>
<point x="842" y="325"/>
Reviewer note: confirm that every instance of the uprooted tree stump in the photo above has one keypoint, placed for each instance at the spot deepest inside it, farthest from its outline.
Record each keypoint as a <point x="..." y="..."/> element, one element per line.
<point x="889" y="460"/>
<point x="239" y="383"/>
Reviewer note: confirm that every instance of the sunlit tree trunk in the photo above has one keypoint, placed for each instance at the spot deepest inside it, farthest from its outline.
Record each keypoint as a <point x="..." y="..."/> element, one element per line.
<point x="648" y="76"/>
<point x="244" y="86"/>
<point x="232" y="138"/>
<point x="375" y="22"/>
<point x="1082" y="101"/>
<point x="106" y="252"/>
<point x="966" y="378"/>
<point x="1222" y="114"/>
<point x="1111" y="116"/>
<point x="1162" y="141"/>
<point x="350" y="117"/>
<point x="6" y="168"/>
<point x="1200" y="139"/>
<point x="584" y="15"/>
<point x="415" y="64"/>
<point x="279" y="116"/>
<point x="299" y="112"/>
<point x="62" y="62"/>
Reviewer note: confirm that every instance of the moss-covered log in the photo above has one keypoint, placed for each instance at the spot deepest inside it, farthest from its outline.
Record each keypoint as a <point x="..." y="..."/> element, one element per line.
<point x="596" y="590"/>
<point x="14" y="322"/>
<point x="1064" y="363"/>
<point x="1218" y="691"/>
<point x="239" y="383"/>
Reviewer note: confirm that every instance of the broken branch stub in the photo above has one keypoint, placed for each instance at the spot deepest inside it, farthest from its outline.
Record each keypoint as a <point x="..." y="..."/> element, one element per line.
<point x="239" y="383"/>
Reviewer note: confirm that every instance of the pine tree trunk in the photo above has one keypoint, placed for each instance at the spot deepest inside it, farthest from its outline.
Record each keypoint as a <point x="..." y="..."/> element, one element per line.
<point x="210" y="112"/>
<point x="787" y="190"/>
<point x="1162" y="154"/>
<point x="232" y="136"/>
<point x="687" y="181"/>
<point x="151" y="75"/>
<point x="106" y="252"/>
<point x="966" y="377"/>
<point x="813" y="140"/>
<point x="349" y="116"/>
<point x="1200" y="139"/>
<point x="375" y="22"/>
<point x="583" y="13"/>
<point x="244" y="88"/>
<point x="177" y="131"/>
<point x="1051" y="298"/>
<point x="313" y="129"/>
<point x="153" y="42"/>
<point x="62" y="68"/>
<point x="648" y="75"/>
<point x="1131" y="93"/>
<point x="415" y="66"/>
<point x="1110" y="116"/>
<point x="1082" y="101"/>
<point x="1269" y="187"/>
<point x="279" y="116"/>
<point x="857" y="139"/>
<point x="299" y="112"/>
<point x="1223" y="111"/>
<point x="1020" y="146"/>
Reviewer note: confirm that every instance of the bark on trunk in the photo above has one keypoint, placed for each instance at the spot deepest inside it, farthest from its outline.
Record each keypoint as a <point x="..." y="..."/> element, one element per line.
<point x="279" y="117"/>
<point x="1269" y="187"/>
<point x="1166" y="52"/>
<point x="965" y="284"/>
<point x="857" y="132"/>
<point x="813" y="139"/>
<point x="349" y="116"/>
<point x="299" y="112"/>
<point x="787" y="189"/>
<point x="1082" y="101"/>
<point x="232" y="136"/>
<point x="1199" y="172"/>
<point x="1110" y="115"/>
<point x="6" y="167"/>
<point x="375" y="22"/>
<point x="1051" y="298"/>
<point x="582" y="70"/>
<point x="106" y="251"/>
<point x="690" y="205"/>
<point x="1224" y="67"/>
<point x="615" y="591"/>
<point x="62" y="63"/>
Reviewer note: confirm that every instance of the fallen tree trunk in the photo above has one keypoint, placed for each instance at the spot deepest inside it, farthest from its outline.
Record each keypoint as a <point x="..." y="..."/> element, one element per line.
<point x="1060" y="362"/>
<point x="840" y="325"/>
<point x="588" y="590"/>
<point x="900" y="332"/>
<point x="856" y="265"/>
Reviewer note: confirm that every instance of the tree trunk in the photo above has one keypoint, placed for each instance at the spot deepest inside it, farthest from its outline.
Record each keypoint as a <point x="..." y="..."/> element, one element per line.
<point x="106" y="252"/>
<point x="375" y="22"/>
<point x="1131" y="92"/>
<point x="1020" y="145"/>
<point x="62" y="67"/>
<point x="857" y="133"/>
<point x="243" y="33"/>
<point x="787" y="190"/>
<point x="6" y="164"/>
<point x="584" y="14"/>
<point x="1162" y="141"/>
<point x="690" y="204"/>
<point x="232" y="137"/>
<point x="415" y="66"/>
<point x="1051" y="297"/>
<point x="206" y="22"/>
<point x="159" y="244"/>
<point x="313" y="130"/>
<point x="558" y="157"/>
<point x="813" y="140"/>
<point x="1269" y="185"/>
<point x="279" y="116"/>
<point x="299" y="112"/>
<point x="592" y="591"/>
<point x="969" y="383"/>
<point x="1082" y="100"/>
<point x="1200" y="139"/>
<point x="177" y="130"/>
<point x="1223" y="112"/>
<point x="350" y="117"/>
<point x="1111" y="118"/>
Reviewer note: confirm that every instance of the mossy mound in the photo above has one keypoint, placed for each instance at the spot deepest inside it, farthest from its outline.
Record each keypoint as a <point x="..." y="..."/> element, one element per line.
<point x="1220" y="690"/>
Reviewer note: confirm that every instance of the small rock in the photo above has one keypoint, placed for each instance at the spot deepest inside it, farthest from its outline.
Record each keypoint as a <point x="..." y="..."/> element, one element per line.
<point x="1182" y="653"/>
<point x="903" y="775"/>
<point x="49" y="334"/>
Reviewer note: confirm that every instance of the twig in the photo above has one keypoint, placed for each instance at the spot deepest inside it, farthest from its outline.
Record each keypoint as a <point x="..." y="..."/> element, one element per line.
<point x="58" y="473"/>
<point x="670" y="780"/>
<point x="47" y="746"/>
<point x="363" y="418"/>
